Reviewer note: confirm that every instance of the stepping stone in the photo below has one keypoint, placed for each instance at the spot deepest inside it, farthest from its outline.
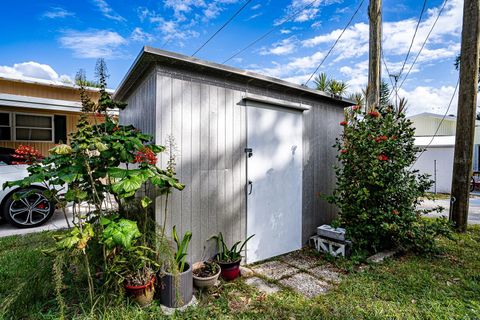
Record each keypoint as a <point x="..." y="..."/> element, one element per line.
<point x="246" y="272"/>
<point x="307" y="285"/>
<point x="274" y="270"/>
<point x="262" y="285"/>
<point x="327" y="274"/>
<point x="300" y="260"/>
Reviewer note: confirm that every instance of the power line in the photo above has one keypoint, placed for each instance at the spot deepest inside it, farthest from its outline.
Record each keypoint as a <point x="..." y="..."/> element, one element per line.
<point x="423" y="44"/>
<point x="413" y="38"/>
<point x="439" y="124"/>
<point x="223" y="26"/>
<point x="266" y="34"/>
<point x="335" y="43"/>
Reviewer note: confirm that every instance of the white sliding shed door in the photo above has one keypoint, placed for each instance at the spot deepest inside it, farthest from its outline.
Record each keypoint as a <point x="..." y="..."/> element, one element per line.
<point x="274" y="186"/>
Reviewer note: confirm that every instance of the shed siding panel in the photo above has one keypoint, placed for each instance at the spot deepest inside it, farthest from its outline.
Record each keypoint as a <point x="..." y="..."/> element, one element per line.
<point x="140" y="111"/>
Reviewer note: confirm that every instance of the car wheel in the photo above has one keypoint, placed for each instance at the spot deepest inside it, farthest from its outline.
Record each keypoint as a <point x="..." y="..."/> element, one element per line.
<point x="31" y="211"/>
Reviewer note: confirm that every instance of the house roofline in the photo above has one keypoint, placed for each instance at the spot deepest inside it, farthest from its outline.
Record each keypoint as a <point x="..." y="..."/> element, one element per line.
<point x="51" y="83"/>
<point x="149" y="55"/>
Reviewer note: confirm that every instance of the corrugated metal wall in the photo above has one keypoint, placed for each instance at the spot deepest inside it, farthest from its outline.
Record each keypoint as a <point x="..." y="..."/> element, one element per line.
<point x="207" y="118"/>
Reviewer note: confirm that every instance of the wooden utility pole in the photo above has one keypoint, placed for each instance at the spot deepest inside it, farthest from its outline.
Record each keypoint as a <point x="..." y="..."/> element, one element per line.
<point x="466" y="115"/>
<point x="374" y="56"/>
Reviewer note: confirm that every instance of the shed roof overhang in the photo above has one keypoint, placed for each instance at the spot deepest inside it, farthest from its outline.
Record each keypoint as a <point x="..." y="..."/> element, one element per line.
<point x="150" y="56"/>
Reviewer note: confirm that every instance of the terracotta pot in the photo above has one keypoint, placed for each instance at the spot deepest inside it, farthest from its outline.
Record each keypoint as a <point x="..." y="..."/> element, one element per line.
<point x="174" y="292"/>
<point x="207" y="282"/>
<point x="143" y="295"/>
<point x="230" y="270"/>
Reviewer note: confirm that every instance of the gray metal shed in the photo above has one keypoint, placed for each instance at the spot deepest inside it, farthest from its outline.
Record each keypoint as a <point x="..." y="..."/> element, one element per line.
<point x="216" y="113"/>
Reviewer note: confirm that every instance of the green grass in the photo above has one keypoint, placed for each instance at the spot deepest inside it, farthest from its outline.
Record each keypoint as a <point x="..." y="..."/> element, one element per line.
<point x="408" y="287"/>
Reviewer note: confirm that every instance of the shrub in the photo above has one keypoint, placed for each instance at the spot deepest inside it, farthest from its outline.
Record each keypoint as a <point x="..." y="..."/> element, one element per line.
<point x="377" y="193"/>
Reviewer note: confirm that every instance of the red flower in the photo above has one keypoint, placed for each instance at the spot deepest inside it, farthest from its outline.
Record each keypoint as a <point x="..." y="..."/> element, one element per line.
<point x="374" y="114"/>
<point x="382" y="157"/>
<point x="355" y="108"/>
<point x="116" y="128"/>
<point x="394" y="137"/>
<point x="381" y="138"/>
<point x="343" y="123"/>
<point x="145" y="156"/>
<point x="395" y="212"/>
<point x="343" y="151"/>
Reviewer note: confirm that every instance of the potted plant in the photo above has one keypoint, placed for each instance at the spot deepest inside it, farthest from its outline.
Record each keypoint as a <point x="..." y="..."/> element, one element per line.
<point x="205" y="274"/>
<point x="133" y="263"/>
<point x="229" y="259"/>
<point x="176" y="281"/>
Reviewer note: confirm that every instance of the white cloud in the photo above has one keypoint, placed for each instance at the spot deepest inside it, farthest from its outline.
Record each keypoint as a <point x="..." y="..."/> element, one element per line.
<point x="141" y="36"/>
<point x="294" y="68"/>
<point x="357" y="76"/>
<point x="430" y="99"/>
<point x="93" y="43"/>
<point x="257" y="6"/>
<point x="32" y="70"/>
<point x="304" y="10"/>
<point x="57" y="13"/>
<point x="107" y="11"/>
<point x="283" y="47"/>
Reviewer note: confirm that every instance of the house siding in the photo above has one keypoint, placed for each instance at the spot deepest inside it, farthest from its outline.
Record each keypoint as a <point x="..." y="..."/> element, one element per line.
<point x="43" y="147"/>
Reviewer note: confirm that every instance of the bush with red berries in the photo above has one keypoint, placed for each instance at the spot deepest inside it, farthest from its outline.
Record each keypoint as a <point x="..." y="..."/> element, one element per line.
<point x="377" y="193"/>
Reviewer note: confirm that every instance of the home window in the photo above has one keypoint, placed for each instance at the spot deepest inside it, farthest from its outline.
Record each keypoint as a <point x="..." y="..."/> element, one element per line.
<point x="33" y="127"/>
<point x="5" y="126"/>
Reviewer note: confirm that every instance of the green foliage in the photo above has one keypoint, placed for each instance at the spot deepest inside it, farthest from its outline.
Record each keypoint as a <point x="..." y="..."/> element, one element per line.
<point x="105" y="164"/>
<point x="376" y="192"/>
<point x="182" y="248"/>
<point x="323" y="83"/>
<point x="119" y="232"/>
<point x="224" y="254"/>
<point x="75" y="238"/>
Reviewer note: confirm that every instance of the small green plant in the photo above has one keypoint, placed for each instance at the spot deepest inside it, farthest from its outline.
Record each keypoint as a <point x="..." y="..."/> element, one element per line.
<point x="208" y="269"/>
<point x="133" y="263"/>
<point x="229" y="255"/>
<point x="182" y="248"/>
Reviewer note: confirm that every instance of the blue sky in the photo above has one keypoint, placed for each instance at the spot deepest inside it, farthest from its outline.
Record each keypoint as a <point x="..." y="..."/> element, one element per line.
<point x="52" y="39"/>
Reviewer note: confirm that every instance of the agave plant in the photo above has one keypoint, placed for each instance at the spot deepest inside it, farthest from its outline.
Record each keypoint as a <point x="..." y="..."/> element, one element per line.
<point x="229" y="255"/>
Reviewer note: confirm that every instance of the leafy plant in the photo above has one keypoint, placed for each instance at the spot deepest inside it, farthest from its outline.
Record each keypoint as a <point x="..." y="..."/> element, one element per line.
<point x="208" y="269"/>
<point x="182" y="248"/>
<point x="224" y="254"/>
<point x="119" y="232"/>
<point x="377" y="193"/>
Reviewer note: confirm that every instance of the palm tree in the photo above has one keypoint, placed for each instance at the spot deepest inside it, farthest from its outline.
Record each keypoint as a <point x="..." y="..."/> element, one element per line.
<point x="337" y="87"/>
<point x="358" y="98"/>
<point x="322" y="82"/>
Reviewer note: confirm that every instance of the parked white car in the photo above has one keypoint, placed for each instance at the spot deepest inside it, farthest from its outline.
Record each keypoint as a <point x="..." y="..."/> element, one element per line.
<point x="28" y="212"/>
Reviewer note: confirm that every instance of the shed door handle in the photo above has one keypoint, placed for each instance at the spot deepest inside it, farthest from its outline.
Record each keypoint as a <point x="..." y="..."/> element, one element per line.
<point x="250" y="184"/>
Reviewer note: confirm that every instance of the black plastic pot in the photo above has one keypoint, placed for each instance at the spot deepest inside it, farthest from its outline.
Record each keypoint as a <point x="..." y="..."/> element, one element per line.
<point x="174" y="292"/>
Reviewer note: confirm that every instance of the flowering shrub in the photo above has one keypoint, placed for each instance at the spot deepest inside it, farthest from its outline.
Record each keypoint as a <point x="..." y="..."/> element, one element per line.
<point x="376" y="192"/>
<point x="26" y="155"/>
